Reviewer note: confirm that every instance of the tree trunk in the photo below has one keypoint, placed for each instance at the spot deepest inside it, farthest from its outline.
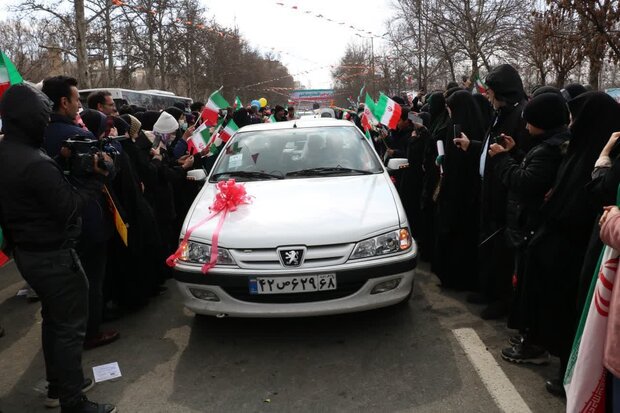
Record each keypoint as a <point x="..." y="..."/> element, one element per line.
<point x="560" y="79"/>
<point x="595" y="70"/>
<point x="109" y="47"/>
<point x="82" y="50"/>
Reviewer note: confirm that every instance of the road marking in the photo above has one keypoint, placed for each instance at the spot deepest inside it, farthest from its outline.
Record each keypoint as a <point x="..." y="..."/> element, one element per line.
<point x="493" y="377"/>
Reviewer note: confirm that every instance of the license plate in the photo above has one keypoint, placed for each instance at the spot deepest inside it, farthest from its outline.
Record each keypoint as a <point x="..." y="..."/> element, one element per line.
<point x="296" y="284"/>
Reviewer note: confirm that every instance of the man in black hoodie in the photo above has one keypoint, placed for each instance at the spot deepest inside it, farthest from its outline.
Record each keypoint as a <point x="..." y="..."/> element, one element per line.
<point x="496" y="262"/>
<point x="40" y="211"/>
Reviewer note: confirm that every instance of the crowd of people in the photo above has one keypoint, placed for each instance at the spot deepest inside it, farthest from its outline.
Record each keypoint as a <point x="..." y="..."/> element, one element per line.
<point x="508" y="209"/>
<point x="69" y="175"/>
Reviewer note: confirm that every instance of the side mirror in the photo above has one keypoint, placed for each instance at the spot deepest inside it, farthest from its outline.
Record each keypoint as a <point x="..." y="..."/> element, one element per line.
<point x="397" y="163"/>
<point x="197" y="175"/>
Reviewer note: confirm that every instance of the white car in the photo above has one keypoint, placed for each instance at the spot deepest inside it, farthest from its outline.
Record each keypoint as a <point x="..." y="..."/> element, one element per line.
<point x="325" y="232"/>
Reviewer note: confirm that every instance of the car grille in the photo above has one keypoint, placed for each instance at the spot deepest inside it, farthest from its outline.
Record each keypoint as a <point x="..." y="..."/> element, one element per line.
<point x="343" y="290"/>
<point x="315" y="257"/>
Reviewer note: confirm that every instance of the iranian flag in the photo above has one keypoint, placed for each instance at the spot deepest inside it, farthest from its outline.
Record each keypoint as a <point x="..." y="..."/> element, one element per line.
<point x="480" y="86"/>
<point x="199" y="139"/>
<point x="238" y="103"/>
<point x="272" y="119"/>
<point x="387" y="111"/>
<point x="212" y="110"/>
<point x="228" y="131"/>
<point x="585" y="379"/>
<point x="368" y="119"/>
<point x="9" y="75"/>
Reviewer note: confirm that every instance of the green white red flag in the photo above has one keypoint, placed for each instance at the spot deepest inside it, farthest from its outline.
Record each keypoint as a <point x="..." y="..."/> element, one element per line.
<point x="387" y="111"/>
<point x="211" y="111"/>
<point x="368" y="119"/>
<point x="230" y="129"/>
<point x="481" y="87"/>
<point x="585" y="378"/>
<point x="238" y="103"/>
<point x="199" y="139"/>
<point x="9" y="75"/>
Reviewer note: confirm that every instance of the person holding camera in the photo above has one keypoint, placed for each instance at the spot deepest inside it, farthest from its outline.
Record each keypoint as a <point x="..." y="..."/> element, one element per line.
<point x="41" y="215"/>
<point x="528" y="182"/>
<point x="72" y="148"/>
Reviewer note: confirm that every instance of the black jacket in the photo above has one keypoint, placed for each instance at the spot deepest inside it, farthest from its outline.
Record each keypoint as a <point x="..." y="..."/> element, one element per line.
<point x="40" y="210"/>
<point x="528" y="182"/>
<point x="508" y="120"/>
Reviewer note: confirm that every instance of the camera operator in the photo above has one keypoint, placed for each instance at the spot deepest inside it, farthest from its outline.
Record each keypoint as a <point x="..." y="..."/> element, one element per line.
<point x="97" y="220"/>
<point x="63" y="92"/>
<point x="41" y="214"/>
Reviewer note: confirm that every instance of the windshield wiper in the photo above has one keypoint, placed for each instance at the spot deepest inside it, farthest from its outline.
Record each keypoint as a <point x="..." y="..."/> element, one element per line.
<point x="248" y="174"/>
<point x="328" y="171"/>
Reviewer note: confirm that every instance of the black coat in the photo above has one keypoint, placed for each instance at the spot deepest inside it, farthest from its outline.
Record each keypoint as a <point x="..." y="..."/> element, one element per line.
<point x="40" y="209"/>
<point x="412" y="178"/>
<point x="527" y="183"/>
<point x="509" y="121"/>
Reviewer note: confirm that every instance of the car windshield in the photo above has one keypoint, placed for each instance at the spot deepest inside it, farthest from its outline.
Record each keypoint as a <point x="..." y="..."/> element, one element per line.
<point x="296" y="153"/>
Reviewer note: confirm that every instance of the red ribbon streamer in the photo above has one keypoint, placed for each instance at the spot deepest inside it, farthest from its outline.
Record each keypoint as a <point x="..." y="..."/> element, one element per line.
<point x="228" y="198"/>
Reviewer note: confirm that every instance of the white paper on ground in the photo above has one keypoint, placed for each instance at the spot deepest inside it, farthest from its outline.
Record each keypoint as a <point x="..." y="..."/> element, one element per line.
<point x="105" y="372"/>
<point x="22" y="292"/>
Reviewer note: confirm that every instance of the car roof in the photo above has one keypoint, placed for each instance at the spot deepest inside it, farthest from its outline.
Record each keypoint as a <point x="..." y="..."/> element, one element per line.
<point x="299" y="123"/>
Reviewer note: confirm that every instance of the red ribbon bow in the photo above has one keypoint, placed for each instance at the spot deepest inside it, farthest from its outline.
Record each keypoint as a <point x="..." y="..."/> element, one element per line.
<point x="229" y="196"/>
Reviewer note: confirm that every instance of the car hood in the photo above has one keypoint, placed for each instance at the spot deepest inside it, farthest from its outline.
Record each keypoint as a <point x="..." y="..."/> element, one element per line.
<point x="306" y="211"/>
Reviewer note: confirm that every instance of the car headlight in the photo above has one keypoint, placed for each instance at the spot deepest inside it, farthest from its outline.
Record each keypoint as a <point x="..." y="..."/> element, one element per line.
<point x="197" y="253"/>
<point x="390" y="243"/>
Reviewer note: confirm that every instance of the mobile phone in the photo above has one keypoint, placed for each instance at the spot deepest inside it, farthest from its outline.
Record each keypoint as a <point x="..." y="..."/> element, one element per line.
<point x="457" y="130"/>
<point x="415" y="118"/>
<point x="156" y="141"/>
<point x="499" y="140"/>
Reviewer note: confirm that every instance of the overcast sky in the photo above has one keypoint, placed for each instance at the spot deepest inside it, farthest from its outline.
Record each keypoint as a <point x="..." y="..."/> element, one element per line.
<point x="310" y="42"/>
<point x="266" y="24"/>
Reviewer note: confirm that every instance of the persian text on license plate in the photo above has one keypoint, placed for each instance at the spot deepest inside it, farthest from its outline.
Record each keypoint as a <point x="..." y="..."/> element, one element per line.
<point x="296" y="284"/>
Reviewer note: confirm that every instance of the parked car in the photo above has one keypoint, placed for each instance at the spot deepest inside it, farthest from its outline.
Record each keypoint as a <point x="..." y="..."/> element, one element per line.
<point x="325" y="232"/>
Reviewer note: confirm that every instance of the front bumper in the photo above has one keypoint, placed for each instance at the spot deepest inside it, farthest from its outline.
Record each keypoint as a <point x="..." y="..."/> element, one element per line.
<point x="355" y="283"/>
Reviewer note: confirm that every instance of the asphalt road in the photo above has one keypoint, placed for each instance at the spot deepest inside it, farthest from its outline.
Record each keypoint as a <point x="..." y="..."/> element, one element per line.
<point x="404" y="359"/>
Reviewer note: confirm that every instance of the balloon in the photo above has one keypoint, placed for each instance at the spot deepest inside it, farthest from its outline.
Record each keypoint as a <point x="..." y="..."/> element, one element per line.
<point x="255" y="103"/>
<point x="263" y="102"/>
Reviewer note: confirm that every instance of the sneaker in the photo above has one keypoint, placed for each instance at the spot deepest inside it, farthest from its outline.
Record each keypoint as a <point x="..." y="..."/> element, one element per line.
<point x="52" y="401"/>
<point x="86" y="406"/>
<point x="521" y="354"/>
<point x="515" y="340"/>
<point x="556" y="387"/>
<point x="101" y="339"/>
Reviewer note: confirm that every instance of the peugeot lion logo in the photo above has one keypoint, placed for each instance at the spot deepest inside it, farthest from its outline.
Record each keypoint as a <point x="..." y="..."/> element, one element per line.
<point x="292" y="258"/>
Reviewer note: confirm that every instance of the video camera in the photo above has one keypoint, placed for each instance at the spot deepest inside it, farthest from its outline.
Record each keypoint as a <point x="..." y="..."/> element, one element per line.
<point x="83" y="151"/>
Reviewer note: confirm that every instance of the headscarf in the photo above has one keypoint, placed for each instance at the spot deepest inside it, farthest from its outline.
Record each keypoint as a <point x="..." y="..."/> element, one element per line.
<point x="95" y="121"/>
<point x="506" y="83"/>
<point x="465" y="112"/>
